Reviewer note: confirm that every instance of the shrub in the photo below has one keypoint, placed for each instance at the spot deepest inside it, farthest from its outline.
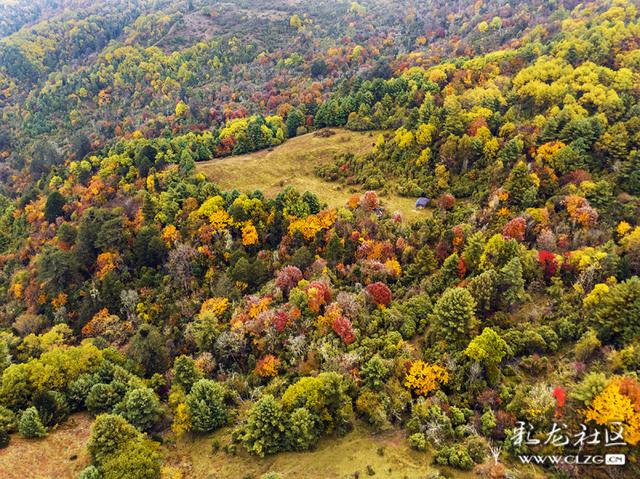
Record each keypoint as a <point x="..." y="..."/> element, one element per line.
<point x="264" y="430"/>
<point x="488" y="348"/>
<point x="325" y="396"/>
<point x="52" y="407"/>
<point x="418" y="441"/>
<point x="185" y="373"/>
<point x="30" y="425"/>
<point x="587" y="345"/>
<point x="457" y="416"/>
<point x="206" y="405"/>
<point x="90" y="472"/>
<point x="79" y="390"/>
<point x="302" y="431"/>
<point x="102" y="398"/>
<point x="8" y="420"/>
<point x="515" y="229"/>
<point x="512" y="284"/>
<point x="454" y="318"/>
<point x="617" y="315"/>
<point x="288" y="278"/>
<point x="379" y="293"/>
<point x="54" y="206"/>
<point x="424" y="378"/>
<point x="483" y="290"/>
<point x="430" y="419"/>
<point x="137" y="458"/>
<point x="476" y="448"/>
<point x="488" y="421"/>
<point x="108" y="434"/>
<point x="271" y="475"/>
<point x="456" y="456"/>
<point x="592" y="385"/>
<point x="446" y="202"/>
<point x="148" y="349"/>
<point x="375" y="372"/>
<point x="141" y="408"/>
<point x="548" y="263"/>
<point x="372" y="406"/>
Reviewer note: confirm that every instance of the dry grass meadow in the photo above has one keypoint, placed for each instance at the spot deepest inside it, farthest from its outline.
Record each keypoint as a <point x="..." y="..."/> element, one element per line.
<point x="293" y="164"/>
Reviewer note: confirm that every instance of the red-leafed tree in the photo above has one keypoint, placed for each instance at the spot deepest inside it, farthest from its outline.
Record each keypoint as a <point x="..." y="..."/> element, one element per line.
<point x="379" y="293"/>
<point x="561" y="398"/>
<point x="515" y="229"/>
<point x="288" y="278"/>
<point x="548" y="262"/>
<point x="343" y="328"/>
<point x="447" y="201"/>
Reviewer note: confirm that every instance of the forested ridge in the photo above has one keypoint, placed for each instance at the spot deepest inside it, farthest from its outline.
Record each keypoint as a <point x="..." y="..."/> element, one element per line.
<point x="134" y="288"/>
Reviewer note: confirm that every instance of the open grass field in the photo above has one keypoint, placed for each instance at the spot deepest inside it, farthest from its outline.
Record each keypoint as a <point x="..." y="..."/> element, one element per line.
<point x="61" y="454"/>
<point x="294" y="162"/>
<point x="357" y="454"/>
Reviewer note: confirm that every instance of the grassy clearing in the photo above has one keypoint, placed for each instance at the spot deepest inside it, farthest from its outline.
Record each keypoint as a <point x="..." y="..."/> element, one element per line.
<point x="60" y="455"/>
<point x="336" y="458"/>
<point x="293" y="163"/>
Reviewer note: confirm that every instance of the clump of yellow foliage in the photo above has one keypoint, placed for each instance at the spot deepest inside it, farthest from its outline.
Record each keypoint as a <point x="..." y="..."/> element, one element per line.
<point x="612" y="406"/>
<point x="423" y="378"/>
<point x="310" y="226"/>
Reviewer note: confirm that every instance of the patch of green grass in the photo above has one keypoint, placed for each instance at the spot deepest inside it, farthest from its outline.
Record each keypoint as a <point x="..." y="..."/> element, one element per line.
<point x="294" y="163"/>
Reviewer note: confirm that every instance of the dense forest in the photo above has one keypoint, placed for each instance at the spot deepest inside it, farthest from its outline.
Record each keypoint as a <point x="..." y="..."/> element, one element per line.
<point x="133" y="288"/>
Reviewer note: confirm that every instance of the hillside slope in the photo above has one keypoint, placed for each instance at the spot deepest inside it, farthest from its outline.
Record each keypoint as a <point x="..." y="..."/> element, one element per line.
<point x="141" y="288"/>
<point x="294" y="164"/>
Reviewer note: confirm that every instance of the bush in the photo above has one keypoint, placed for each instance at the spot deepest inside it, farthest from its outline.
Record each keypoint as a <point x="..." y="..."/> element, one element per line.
<point x="459" y="458"/>
<point x="454" y="318"/>
<point x="54" y="206"/>
<point x="30" y="425"/>
<point x="375" y="372"/>
<point x="477" y="449"/>
<point x="264" y="430"/>
<point x="587" y="345"/>
<point x="617" y="315"/>
<point x="8" y="420"/>
<point x="137" y="459"/>
<point x="370" y="404"/>
<point x="90" y="472"/>
<point x="379" y="293"/>
<point x="325" y="396"/>
<point x="592" y="385"/>
<point x="488" y="421"/>
<point x="141" y="408"/>
<point x="185" y="373"/>
<point x="79" y="390"/>
<point x="271" y="475"/>
<point x="457" y="416"/>
<point x="148" y="347"/>
<point x="418" y="441"/>
<point x="206" y="404"/>
<point x="102" y="398"/>
<point x="52" y="407"/>
<point x="456" y="456"/>
<point x="483" y="290"/>
<point x="108" y="434"/>
<point x="424" y="415"/>
<point x="302" y="432"/>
